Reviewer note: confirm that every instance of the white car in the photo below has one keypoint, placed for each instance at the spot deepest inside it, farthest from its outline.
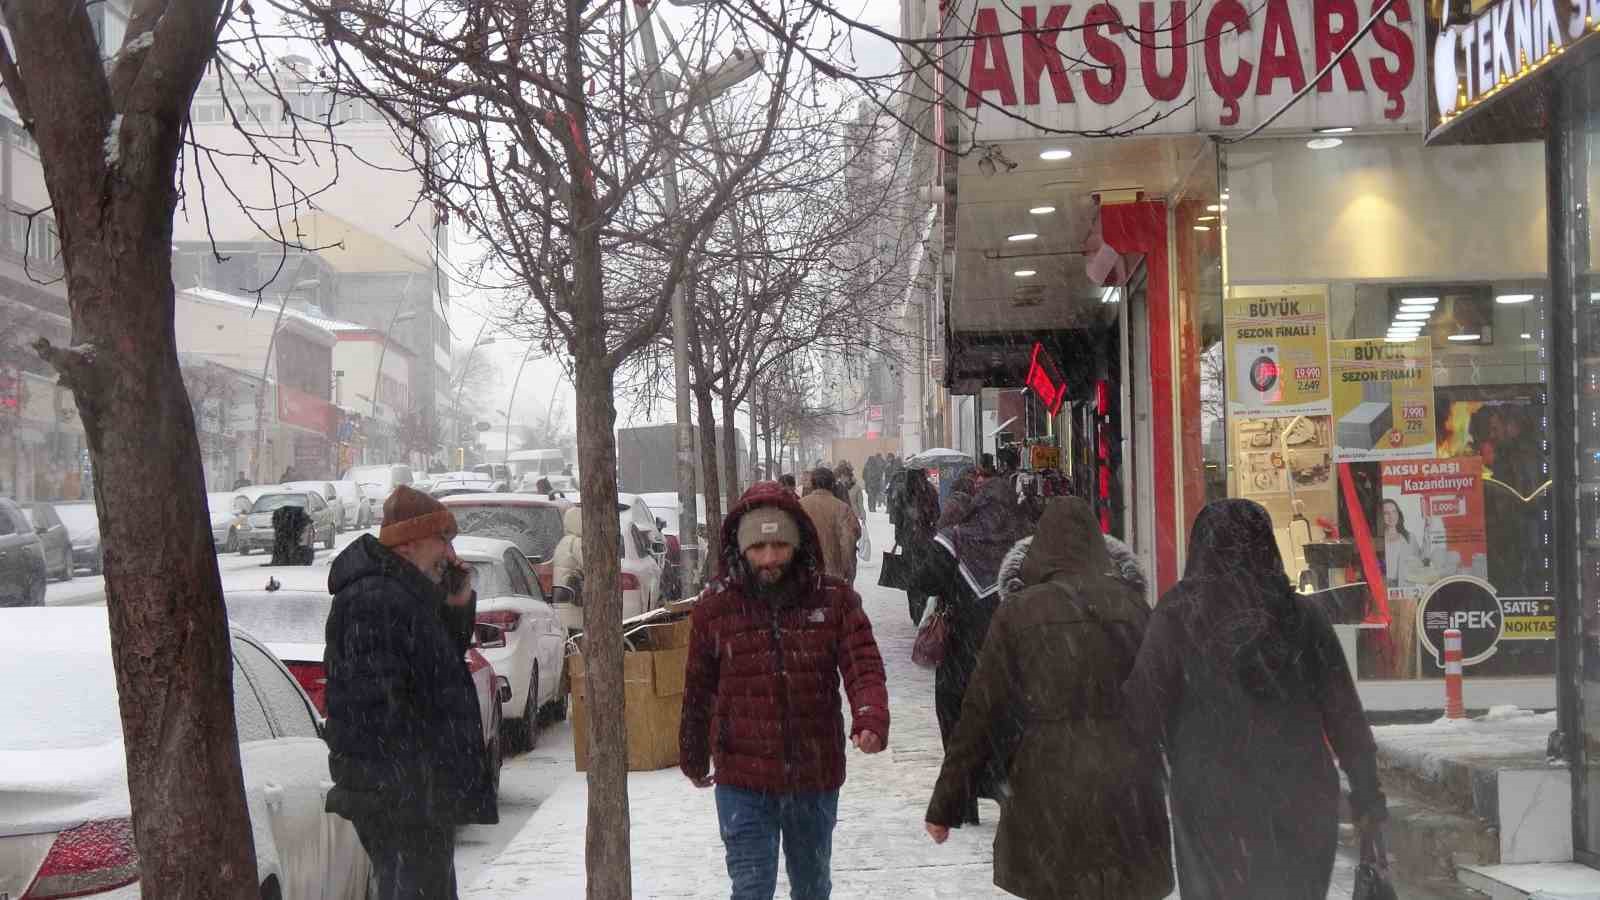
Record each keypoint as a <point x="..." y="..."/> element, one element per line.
<point x="534" y="654"/>
<point x="357" y="512"/>
<point x="377" y="483"/>
<point x="228" y="511"/>
<point x="65" y="828"/>
<point x="330" y="495"/>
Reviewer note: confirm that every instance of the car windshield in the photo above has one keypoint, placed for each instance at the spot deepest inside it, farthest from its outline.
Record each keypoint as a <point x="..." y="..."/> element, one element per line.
<point x="270" y="502"/>
<point x="281" y="617"/>
<point x="489" y="579"/>
<point x="80" y="518"/>
<point x="534" y="529"/>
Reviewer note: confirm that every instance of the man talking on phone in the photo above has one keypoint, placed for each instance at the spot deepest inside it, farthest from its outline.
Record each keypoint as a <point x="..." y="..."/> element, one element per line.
<point x="405" y="740"/>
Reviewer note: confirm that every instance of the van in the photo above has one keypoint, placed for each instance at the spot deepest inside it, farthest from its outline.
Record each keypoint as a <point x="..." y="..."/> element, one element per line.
<point x="377" y="483"/>
<point x="495" y="471"/>
<point x="536" y="462"/>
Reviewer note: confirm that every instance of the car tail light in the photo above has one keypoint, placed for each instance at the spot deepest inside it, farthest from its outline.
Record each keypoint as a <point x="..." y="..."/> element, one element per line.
<point x="88" y="859"/>
<point x="314" y="678"/>
<point x="505" y="620"/>
<point x="630" y="581"/>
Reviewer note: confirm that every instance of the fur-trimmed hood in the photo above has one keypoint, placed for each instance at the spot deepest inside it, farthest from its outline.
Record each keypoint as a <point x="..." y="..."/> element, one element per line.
<point x="1127" y="569"/>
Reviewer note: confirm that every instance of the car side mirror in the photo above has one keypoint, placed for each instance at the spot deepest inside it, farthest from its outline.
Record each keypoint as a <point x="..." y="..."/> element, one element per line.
<point x="488" y="637"/>
<point x="661" y="523"/>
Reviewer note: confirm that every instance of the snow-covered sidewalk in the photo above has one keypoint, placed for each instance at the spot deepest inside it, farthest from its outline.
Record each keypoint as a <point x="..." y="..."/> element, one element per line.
<point x="880" y="849"/>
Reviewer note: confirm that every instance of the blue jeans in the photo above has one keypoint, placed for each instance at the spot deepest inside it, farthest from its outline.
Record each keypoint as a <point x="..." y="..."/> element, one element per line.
<point x="751" y="824"/>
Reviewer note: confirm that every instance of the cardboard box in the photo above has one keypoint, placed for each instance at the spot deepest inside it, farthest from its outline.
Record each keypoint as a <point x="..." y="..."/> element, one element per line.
<point x="652" y="675"/>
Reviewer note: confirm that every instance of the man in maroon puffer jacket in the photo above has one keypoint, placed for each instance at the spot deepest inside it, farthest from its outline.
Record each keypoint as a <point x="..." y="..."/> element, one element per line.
<point x="771" y="636"/>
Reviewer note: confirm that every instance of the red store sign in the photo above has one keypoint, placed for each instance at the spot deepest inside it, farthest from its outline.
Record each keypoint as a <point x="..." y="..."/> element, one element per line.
<point x="1111" y="68"/>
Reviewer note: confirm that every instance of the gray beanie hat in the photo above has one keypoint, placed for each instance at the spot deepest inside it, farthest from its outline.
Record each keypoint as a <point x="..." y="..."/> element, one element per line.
<point x="767" y="525"/>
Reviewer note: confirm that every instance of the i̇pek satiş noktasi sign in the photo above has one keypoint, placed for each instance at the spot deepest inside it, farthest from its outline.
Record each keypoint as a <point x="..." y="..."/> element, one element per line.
<point x="1179" y="66"/>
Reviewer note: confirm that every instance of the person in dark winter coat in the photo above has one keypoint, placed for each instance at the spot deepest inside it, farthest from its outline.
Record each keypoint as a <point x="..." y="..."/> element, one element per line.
<point x="770" y="639"/>
<point x="915" y="517"/>
<point x="872" y="472"/>
<point x="963" y="571"/>
<point x="404" y="734"/>
<point x="1085" y="815"/>
<point x="1246" y="688"/>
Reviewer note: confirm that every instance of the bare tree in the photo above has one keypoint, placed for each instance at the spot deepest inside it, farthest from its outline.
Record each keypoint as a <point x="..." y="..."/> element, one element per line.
<point x="526" y="120"/>
<point x="109" y="135"/>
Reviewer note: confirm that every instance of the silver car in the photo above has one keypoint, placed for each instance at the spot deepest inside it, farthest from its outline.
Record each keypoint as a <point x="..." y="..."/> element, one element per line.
<point x="258" y="524"/>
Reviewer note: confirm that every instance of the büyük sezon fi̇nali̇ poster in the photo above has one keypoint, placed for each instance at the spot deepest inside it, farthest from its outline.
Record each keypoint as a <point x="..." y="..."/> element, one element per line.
<point x="1382" y="400"/>
<point x="1277" y="355"/>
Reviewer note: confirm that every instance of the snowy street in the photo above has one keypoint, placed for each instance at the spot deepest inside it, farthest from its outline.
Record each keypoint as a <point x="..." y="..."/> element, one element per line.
<point x="880" y="849"/>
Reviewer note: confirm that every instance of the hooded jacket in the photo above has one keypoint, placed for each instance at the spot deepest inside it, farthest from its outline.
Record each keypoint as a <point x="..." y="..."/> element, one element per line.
<point x="761" y="688"/>
<point x="404" y="733"/>
<point x="567" y="559"/>
<point x="1085" y="816"/>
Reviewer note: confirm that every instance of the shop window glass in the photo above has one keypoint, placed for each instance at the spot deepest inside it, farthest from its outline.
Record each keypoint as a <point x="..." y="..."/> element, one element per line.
<point x="1386" y="390"/>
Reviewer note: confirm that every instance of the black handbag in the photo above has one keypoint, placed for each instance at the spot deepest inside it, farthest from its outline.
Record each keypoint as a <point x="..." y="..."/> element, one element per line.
<point x="896" y="570"/>
<point x="1372" y="875"/>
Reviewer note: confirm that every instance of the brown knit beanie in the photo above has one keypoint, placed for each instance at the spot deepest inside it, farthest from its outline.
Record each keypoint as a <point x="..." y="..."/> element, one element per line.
<point x="767" y="525"/>
<point x="410" y="515"/>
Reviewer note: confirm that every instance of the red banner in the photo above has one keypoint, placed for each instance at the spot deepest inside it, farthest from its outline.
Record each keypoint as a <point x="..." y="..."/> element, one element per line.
<point x="305" y="411"/>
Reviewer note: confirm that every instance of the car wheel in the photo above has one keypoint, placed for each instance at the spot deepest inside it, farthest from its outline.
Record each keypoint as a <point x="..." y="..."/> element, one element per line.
<point x="530" y="712"/>
<point x="556" y="709"/>
<point x="496" y="758"/>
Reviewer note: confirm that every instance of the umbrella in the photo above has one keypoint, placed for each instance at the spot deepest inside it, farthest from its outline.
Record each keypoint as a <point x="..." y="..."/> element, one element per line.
<point x="938" y="456"/>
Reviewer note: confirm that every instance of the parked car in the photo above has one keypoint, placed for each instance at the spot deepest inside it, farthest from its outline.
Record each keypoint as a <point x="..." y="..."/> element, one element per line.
<point x="65" y="828"/>
<point x="330" y="496"/>
<point x="377" y="483"/>
<point x="22" y="563"/>
<point x="83" y="532"/>
<point x="667" y="513"/>
<point x="533" y="523"/>
<point x="53" y="536"/>
<point x="354" y="501"/>
<point x="533" y="656"/>
<point x="258" y="525"/>
<point x="286" y="608"/>
<point x="228" y="514"/>
<point x="448" y="484"/>
<point x="641" y="572"/>
<point x="495" y="471"/>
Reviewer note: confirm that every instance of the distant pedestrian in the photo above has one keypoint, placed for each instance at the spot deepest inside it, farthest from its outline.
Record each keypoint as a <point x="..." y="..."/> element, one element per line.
<point x="1085" y="814"/>
<point x="787" y="481"/>
<point x="915" y="517"/>
<point x="963" y="571"/>
<point x="848" y="489"/>
<point x="1246" y="688"/>
<point x="404" y="734"/>
<point x="770" y="640"/>
<point x="836" y="524"/>
<point x="872" y="472"/>
<point x="566" y="560"/>
<point x="242" y="482"/>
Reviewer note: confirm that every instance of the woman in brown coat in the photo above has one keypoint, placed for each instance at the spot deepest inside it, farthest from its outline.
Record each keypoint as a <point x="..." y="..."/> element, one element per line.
<point x="1085" y="815"/>
<point x="1246" y="688"/>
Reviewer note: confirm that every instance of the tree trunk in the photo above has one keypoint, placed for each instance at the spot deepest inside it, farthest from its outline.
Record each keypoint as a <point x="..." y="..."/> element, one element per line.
<point x="755" y="448"/>
<point x="169" y="632"/>
<point x="730" y="447"/>
<point x="713" y="485"/>
<point x="607" y="853"/>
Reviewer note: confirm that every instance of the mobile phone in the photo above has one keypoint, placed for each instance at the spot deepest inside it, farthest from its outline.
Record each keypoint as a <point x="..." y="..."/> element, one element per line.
<point x="456" y="577"/>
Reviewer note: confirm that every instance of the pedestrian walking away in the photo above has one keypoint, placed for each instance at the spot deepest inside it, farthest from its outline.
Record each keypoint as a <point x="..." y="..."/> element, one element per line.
<point x="915" y="517"/>
<point x="1246" y="688"/>
<point x="770" y="639"/>
<point x="405" y="739"/>
<point x="1085" y="813"/>
<point x="566" y="560"/>
<point x="836" y="524"/>
<point x="963" y="571"/>
<point x="872" y="473"/>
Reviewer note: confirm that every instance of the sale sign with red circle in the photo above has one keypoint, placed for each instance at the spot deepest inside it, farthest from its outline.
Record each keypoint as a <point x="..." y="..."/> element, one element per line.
<point x="1277" y="351"/>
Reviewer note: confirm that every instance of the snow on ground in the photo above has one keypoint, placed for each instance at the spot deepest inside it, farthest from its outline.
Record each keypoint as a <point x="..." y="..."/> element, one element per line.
<point x="880" y="849"/>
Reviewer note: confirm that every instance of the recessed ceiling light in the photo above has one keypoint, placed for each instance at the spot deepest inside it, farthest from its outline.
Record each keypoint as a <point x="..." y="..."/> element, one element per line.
<point x="1217" y="207"/>
<point x="1465" y="338"/>
<point x="1338" y="129"/>
<point x="1324" y="143"/>
<point x="1206" y="218"/>
<point x="1526" y="336"/>
<point x="1419" y="302"/>
<point x="1042" y="210"/>
<point x="1202" y="228"/>
<point x="1056" y="153"/>
<point x="1510" y="299"/>
<point x="1024" y="236"/>
<point x="1025" y="273"/>
<point x="1412" y="316"/>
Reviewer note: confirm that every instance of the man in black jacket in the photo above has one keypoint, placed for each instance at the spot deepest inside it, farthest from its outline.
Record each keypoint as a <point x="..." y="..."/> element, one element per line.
<point x="404" y="734"/>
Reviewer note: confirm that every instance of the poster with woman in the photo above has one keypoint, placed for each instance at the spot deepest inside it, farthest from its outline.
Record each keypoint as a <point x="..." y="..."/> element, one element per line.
<point x="1431" y="527"/>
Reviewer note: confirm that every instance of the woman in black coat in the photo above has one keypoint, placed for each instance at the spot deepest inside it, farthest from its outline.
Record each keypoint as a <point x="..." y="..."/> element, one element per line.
<point x="963" y="570"/>
<point x="915" y="516"/>
<point x="1246" y="687"/>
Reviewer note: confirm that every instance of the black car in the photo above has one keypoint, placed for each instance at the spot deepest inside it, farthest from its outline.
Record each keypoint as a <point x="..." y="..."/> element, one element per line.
<point x="22" y="569"/>
<point x="53" y="534"/>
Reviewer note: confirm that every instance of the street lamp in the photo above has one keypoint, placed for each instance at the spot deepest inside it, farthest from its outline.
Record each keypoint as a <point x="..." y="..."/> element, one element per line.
<point x="383" y="350"/>
<point x="466" y="366"/>
<point x="511" y="403"/>
<point x="707" y="87"/>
